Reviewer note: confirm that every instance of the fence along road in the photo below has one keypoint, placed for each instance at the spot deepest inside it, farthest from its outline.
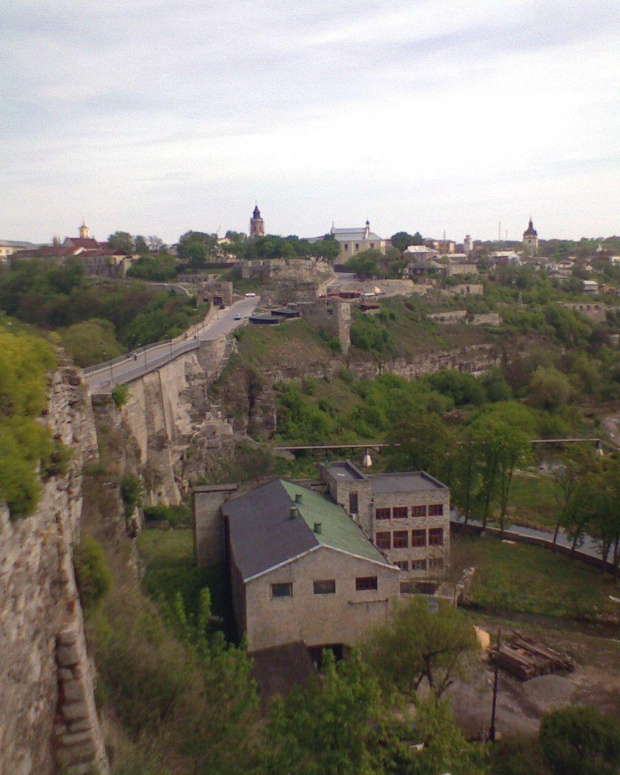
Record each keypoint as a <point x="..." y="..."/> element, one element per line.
<point x="105" y="376"/>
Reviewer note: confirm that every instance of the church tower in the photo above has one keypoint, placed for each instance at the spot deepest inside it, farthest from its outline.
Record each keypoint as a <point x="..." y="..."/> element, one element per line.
<point x="257" y="225"/>
<point x="84" y="232"/>
<point x="530" y="240"/>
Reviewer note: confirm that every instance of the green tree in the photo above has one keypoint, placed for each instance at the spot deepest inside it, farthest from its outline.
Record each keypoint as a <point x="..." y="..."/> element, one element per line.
<point x="580" y="741"/>
<point x="402" y="240"/>
<point x="330" y="727"/>
<point x="421" y="441"/>
<point x="25" y="444"/>
<point x="122" y="240"/>
<point x="424" y="639"/>
<point x="91" y="342"/>
<point x="365" y="264"/>
<point x="549" y="389"/>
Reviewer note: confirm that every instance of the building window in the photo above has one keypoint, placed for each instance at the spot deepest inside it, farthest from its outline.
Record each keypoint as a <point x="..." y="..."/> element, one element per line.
<point x="327" y="587"/>
<point x="418" y="564"/>
<point x="372" y="245"/>
<point x="401" y="539"/>
<point x="435" y="563"/>
<point x="281" y="590"/>
<point x="346" y="245"/>
<point x="357" y="245"/>
<point x="402" y="565"/>
<point x="435" y="510"/>
<point x="418" y="538"/>
<point x="382" y="513"/>
<point x="364" y="583"/>
<point x="383" y="540"/>
<point x="435" y="536"/>
<point x="353" y="503"/>
<point x="418" y="511"/>
<point x="399" y="512"/>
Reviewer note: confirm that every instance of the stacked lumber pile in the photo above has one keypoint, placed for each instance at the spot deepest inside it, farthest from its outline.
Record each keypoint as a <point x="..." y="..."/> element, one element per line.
<point x="525" y="658"/>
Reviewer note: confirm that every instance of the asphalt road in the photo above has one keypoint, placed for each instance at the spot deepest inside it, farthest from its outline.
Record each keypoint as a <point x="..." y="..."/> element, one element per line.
<point x="139" y="363"/>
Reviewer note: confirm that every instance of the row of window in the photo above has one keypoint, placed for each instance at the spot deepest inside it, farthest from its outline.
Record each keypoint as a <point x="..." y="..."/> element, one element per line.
<point x="325" y="586"/>
<point x="399" y="539"/>
<point x="402" y="512"/>
<point x="357" y="246"/>
<point x="434" y="563"/>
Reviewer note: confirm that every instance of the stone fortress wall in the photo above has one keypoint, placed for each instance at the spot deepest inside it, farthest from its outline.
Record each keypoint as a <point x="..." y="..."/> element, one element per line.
<point x="48" y="721"/>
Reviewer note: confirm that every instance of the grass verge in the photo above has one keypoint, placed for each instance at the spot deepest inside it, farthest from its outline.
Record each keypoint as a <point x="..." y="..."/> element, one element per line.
<point x="533" y="580"/>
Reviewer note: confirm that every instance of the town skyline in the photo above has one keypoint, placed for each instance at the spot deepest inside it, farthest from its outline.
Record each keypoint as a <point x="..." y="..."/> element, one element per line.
<point x="158" y="118"/>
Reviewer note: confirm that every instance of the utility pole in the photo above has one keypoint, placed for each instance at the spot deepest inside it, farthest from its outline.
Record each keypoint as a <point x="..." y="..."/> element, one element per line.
<point x="495" y="684"/>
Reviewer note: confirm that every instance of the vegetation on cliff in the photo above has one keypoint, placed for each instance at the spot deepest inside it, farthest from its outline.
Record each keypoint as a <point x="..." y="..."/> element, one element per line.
<point x="27" y="449"/>
<point x="96" y="319"/>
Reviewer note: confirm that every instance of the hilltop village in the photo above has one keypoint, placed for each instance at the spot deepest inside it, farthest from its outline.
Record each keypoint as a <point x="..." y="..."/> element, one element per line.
<point x="256" y="492"/>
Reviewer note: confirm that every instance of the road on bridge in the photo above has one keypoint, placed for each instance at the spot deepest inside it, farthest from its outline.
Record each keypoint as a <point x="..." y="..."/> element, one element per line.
<point x="139" y="363"/>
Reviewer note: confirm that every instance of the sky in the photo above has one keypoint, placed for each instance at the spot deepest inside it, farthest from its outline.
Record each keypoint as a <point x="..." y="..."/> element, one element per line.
<point x="156" y="117"/>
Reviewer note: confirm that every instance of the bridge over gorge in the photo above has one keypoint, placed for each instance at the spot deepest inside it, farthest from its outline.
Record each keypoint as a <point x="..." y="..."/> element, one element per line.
<point x="119" y="371"/>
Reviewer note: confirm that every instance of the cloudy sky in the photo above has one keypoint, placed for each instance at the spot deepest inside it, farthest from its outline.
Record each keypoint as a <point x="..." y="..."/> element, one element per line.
<point x="154" y="117"/>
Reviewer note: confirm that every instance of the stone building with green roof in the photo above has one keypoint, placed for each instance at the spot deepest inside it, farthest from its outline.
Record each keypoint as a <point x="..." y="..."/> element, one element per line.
<point x="300" y="568"/>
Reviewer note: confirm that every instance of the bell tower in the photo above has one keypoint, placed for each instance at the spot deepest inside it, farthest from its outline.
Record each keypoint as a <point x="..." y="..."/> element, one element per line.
<point x="84" y="232"/>
<point x="257" y="225"/>
<point x="530" y="240"/>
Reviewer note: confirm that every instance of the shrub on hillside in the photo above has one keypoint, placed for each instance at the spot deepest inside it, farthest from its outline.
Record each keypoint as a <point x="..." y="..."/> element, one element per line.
<point x="92" y="575"/>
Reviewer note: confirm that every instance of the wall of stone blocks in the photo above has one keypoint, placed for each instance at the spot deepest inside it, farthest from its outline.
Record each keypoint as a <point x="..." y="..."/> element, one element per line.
<point x="319" y="620"/>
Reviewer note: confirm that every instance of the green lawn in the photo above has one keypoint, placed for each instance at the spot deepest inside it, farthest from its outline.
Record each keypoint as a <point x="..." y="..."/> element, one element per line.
<point x="171" y="568"/>
<point x="532" y="500"/>
<point x="530" y="579"/>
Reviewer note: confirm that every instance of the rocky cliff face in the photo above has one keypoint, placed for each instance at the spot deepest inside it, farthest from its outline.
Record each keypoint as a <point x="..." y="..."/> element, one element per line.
<point x="174" y="425"/>
<point x="48" y="721"/>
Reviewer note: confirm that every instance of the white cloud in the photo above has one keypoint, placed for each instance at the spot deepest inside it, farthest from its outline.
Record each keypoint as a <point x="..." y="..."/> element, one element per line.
<point x="423" y="114"/>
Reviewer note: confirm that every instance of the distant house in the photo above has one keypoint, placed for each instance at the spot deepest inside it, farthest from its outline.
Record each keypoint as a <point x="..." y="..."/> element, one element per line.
<point x="356" y="240"/>
<point x="97" y="258"/>
<point x="420" y="253"/>
<point x="504" y="257"/>
<point x="424" y="267"/>
<point x="8" y="247"/>
<point x="590" y="287"/>
<point x="321" y="564"/>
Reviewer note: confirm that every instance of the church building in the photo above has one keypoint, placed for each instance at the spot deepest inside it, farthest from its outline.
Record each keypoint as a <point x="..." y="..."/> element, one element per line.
<point x="257" y="225"/>
<point x="530" y="240"/>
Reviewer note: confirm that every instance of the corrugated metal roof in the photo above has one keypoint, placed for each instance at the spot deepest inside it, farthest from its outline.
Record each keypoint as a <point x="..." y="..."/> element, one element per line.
<point x="263" y="535"/>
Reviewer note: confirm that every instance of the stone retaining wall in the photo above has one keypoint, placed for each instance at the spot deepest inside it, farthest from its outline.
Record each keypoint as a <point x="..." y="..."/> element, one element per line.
<point x="48" y="722"/>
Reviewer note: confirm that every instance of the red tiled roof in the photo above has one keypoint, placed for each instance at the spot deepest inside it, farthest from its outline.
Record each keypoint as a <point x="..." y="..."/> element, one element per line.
<point x="79" y="242"/>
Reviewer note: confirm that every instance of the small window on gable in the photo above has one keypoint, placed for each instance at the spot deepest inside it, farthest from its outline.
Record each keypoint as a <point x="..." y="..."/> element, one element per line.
<point x="281" y="590"/>
<point x="327" y="587"/>
<point x="363" y="583"/>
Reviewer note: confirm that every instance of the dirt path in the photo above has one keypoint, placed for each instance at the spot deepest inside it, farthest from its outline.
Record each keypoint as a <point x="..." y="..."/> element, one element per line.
<point x="595" y="681"/>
